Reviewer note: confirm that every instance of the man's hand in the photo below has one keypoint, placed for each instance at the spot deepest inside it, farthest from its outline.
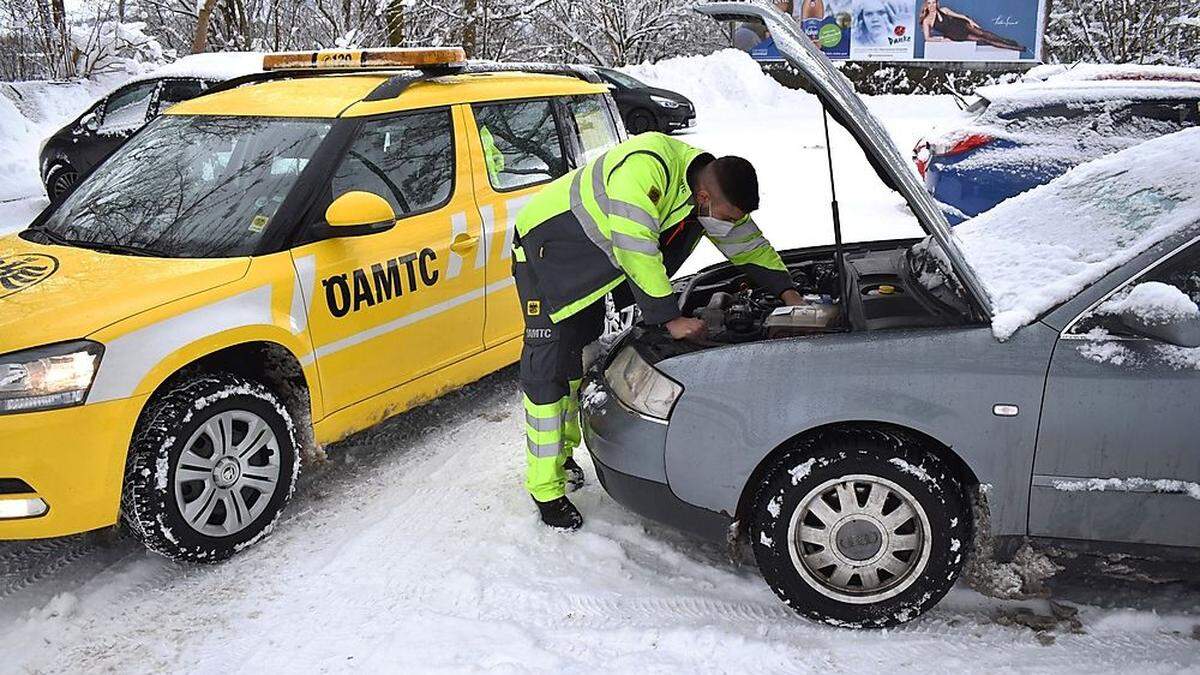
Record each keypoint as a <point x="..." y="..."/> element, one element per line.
<point x="792" y="298"/>
<point x="683" y="328"/>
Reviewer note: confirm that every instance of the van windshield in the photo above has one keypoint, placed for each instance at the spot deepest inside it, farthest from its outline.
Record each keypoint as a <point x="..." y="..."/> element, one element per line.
<point x="188" y="187"/>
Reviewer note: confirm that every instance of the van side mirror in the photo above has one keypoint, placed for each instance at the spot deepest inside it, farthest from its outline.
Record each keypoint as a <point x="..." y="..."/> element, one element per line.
<point x="1162" y="312"/>
<point x="357" y="213"/>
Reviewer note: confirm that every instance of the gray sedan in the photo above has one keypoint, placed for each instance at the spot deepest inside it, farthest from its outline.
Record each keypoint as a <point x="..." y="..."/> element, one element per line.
<point x="1035" y="373"/>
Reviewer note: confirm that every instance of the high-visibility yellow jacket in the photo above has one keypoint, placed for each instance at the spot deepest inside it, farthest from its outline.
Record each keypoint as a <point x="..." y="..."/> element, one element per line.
<point x="607" y="221"/>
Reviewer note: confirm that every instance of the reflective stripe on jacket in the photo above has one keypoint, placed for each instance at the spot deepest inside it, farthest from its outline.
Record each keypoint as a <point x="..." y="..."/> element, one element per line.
<point x="589" y="230"/>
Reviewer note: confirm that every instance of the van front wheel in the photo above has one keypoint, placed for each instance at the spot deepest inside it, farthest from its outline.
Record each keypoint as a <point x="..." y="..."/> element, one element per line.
<point x="213" y="463"/>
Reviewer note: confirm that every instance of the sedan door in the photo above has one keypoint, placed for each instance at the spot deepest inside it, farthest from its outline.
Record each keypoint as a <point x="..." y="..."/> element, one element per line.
<point x="1118" y="453"/>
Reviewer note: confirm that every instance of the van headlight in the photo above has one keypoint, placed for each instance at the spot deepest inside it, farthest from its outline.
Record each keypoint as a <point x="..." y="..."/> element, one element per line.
<point x="54" y="376"/>
<point x="639" y="386"/>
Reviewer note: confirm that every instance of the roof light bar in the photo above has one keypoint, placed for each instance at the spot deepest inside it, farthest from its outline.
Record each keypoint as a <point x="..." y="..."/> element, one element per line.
<point x="360" y="59"/>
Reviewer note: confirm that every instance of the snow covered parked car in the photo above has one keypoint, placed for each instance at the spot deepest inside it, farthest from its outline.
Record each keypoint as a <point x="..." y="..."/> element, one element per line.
<point x="1038" y="369"/>
<point x="73" y="150"/>
<point x="1015" y="137"/>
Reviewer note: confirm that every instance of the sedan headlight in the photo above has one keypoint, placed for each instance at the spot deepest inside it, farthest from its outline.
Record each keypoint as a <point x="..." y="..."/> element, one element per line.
<point x="639" y="386"/>
<point x="54" y="376"/>
<point x="666" y="102"/>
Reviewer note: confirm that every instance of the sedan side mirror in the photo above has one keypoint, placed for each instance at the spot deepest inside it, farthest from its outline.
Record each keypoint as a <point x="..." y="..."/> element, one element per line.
<point x="1162" y="312"/>
<point x="358" y="213"/>
<point x="90" y="122"/>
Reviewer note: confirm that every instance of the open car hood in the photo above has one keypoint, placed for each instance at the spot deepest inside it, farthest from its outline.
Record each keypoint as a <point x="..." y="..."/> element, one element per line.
<point x="839" y="98"/>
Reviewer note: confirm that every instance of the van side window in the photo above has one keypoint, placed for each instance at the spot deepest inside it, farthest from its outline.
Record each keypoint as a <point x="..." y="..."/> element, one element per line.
<point x="594" y="125"/>
<point x="407" y="159"/>
<point x="521" y="143"/>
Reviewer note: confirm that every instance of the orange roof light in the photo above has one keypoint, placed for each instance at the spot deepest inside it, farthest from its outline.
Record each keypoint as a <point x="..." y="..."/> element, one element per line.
<point x="383" y="58"/>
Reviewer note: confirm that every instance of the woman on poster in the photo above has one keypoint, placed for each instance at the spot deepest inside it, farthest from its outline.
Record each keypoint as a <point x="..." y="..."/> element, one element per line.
<point x="955" y="27"/>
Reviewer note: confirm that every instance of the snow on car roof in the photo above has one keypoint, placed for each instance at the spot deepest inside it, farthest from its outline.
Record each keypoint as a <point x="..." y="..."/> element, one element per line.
<point x="1029" y="94"/>
<point x="1042" y="247"/>
<point x="1111" y="71"/>
<point x="208" y="66"/>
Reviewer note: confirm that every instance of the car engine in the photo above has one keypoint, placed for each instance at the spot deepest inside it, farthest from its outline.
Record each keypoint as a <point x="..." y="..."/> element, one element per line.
<point x="879" y="292"/>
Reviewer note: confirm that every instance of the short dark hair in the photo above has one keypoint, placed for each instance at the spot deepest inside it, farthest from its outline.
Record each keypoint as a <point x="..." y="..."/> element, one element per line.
<point x="738" y="181"/>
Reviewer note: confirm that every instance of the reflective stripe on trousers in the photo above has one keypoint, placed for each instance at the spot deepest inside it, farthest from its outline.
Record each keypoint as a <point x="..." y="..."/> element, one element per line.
<point x="551" y="435"/>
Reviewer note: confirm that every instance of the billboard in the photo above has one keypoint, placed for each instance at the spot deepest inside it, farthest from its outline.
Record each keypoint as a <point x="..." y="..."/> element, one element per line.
<point x="910" y="30"/>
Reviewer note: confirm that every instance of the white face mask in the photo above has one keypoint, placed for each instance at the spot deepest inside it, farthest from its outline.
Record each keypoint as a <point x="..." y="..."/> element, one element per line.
<point x="715" y="226"/>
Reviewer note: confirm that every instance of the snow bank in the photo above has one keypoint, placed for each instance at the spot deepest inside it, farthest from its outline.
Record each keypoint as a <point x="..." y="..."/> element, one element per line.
<point x="1042" y="247"/>
<point x="728" y="80"/>
<point x="18" y="176"/>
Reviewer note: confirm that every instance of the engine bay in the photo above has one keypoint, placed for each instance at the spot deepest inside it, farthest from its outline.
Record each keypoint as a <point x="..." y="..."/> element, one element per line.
<point x="881" y="288"/>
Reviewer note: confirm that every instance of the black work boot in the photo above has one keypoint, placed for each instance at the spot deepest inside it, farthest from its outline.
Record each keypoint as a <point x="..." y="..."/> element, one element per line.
<point x="575" y="477"/>
<point x="560" y="514"/>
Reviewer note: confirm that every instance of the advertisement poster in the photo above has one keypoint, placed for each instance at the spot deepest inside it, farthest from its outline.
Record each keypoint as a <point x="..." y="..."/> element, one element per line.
<point x="910" y="30"/>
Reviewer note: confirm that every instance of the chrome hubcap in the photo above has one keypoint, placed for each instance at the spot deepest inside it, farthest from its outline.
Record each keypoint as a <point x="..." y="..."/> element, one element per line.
<point x="859" y="539"/>
<point x="227" y="473"/>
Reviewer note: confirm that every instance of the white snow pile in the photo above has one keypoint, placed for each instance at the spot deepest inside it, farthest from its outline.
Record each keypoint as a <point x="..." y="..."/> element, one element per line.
<point x="1040" y="248"/>
<point x="18" y="176"/>
<point x="722" y="81"/>
<point x="1154" y="303"/>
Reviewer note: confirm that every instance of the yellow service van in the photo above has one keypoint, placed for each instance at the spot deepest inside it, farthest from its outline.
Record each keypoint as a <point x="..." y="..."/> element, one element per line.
<point x="294" y="257"/>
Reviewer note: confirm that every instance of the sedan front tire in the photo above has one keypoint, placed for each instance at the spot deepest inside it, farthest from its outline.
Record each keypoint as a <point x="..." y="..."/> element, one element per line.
<point x="861" y="528"/>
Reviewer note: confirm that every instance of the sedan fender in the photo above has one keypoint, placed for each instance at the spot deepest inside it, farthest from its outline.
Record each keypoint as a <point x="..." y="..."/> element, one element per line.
<point x="741" y="404"/>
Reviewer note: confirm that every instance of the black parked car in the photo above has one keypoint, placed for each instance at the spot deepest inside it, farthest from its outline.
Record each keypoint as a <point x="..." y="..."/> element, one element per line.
<point x="73" y="150"/>
<point x="646" y="108"/>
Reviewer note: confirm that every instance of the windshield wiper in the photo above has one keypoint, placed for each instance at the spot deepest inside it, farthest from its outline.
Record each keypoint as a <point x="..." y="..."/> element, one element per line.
<point x="102" y="246"/>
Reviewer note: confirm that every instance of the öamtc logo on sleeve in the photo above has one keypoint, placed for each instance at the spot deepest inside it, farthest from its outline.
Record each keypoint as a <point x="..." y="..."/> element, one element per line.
<point x="20" y="271"/>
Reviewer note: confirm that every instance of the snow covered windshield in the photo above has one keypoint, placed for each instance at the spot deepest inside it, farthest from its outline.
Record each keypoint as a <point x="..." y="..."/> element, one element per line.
<point x="1042" y="247"/>
<point x="189" y="187"/>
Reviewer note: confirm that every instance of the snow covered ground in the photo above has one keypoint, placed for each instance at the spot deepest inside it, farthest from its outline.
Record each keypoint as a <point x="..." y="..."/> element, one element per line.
<point x="414" y="548"/>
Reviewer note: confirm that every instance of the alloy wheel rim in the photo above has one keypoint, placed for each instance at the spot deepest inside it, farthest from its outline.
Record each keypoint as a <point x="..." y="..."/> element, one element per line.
<point x="859" y="539"/>
<point x="63" y="182"/>
<point x="227" y="473"/>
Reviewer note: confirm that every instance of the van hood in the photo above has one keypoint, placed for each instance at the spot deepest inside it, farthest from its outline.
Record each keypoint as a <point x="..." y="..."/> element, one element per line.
<point x="54" y="293"/>
<point x="844" y="105"/>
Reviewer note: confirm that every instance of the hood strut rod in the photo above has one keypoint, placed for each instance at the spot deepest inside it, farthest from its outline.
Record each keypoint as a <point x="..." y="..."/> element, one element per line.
<point x="837" y="219"/>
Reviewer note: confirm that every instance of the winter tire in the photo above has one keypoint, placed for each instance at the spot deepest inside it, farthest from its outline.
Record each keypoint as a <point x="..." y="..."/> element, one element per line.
<point x="640" y="121"/>
<point x="213" y="461"/>
<point x="862" y="528"/>
<point x="60" y="179"/>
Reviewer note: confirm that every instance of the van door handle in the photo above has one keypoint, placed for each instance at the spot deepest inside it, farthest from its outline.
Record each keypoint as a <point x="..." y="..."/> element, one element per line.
<point x="464" y="242"/>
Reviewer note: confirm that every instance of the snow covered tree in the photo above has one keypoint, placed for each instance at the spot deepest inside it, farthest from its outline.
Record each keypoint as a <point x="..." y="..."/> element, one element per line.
<point x="1123" y="31"/>
<point x="620" y="32"/>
